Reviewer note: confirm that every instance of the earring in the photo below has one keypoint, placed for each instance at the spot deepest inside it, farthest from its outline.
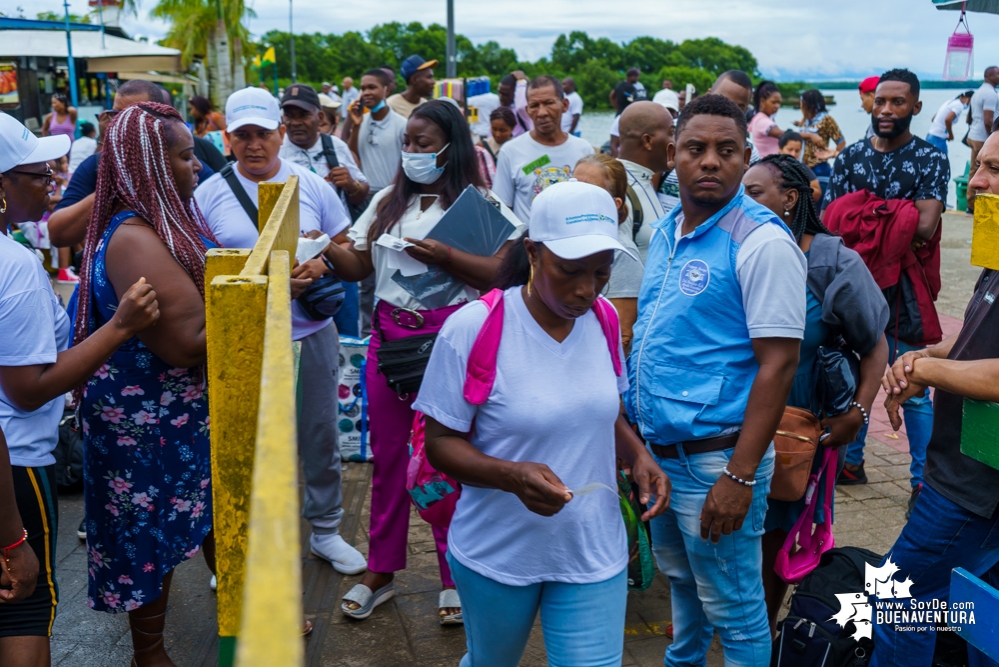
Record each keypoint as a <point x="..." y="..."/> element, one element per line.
<point x="530" y="281"/>
<point x="3" y="204"/>
<point x="787" y="213"/>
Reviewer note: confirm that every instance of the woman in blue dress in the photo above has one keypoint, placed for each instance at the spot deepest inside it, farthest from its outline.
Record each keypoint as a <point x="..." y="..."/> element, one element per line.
<point x="842" y="300"/>
<point x="147" y="468"/>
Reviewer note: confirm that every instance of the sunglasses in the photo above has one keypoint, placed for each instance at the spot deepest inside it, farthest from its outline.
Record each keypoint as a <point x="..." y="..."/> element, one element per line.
<point x="47" y="175"/>
<point x="108" y="114"/>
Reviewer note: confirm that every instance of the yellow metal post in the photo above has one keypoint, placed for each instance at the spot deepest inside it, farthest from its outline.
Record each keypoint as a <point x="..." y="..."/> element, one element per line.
<point x="236" y="310"/>
<point x="270" y="633"/>
<point x="985" y="233"/>
<point x="281" y="230"/>
<point x="224" y="262"/>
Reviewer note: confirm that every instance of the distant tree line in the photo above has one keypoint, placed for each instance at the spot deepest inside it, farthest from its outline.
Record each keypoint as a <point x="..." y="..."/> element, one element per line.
<point x="597" y="65"/>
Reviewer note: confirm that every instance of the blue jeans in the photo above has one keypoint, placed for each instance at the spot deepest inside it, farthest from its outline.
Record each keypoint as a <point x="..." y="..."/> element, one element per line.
<point x="938" y="537"/>
<point x="713" y="586"/>
<point x="583" y="624"/>
<point x="937" y="142"/>
<point x="347" y="319"/>
<point x="917" y="413"/>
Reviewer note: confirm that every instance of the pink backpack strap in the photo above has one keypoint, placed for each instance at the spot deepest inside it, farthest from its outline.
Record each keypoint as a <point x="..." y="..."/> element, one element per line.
<point x="607" y="317"/>
<point x="480" y="373"/>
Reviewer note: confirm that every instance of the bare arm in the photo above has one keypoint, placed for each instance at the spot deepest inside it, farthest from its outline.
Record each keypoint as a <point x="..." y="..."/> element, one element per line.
<point x="45" y="124"/>
<point x="575" y="122"/>
<point x="644" y="469"/>
<point x="354" y="118"/>
<point x="627" y="315"/>
<point x="776" y="132"/>
<point x="949" y="122"/>
<point x="535" y="484"/>
<point x="930" y="211"/>
<point x="898" y="382"/>
<point x="21" y="573"/>
<point x="349" y="263"/>
<point x="31" y="387"/>
<point x="987" y="117"/>
<point x="68" y="226"/>
<point x="134" y="251"/>
<point x="728" y="501"/>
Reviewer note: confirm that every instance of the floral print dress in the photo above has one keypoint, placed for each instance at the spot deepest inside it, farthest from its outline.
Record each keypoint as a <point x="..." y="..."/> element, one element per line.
<point x="147" y="466"/>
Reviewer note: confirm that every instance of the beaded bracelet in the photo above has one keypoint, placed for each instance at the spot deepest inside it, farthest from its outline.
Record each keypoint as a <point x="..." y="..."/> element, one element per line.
<point x="867" y="419"/>
<point x="737" y="479"/>
<point x="7" y="550"/>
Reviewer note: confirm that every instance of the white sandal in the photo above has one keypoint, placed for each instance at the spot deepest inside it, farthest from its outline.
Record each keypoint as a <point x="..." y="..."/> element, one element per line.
<point x="448" y="599"/>
<point x="367" y="600"/>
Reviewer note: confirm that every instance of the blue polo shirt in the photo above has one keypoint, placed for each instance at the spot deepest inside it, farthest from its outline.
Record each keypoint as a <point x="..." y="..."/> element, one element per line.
<point x="704" y="297"/>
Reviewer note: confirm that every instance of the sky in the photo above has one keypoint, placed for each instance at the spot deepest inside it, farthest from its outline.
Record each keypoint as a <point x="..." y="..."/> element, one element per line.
<point x="791" y="39"/>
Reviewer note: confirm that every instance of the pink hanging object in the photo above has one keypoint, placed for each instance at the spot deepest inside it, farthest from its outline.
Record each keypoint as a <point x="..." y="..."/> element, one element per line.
<point x="959" y="61"/>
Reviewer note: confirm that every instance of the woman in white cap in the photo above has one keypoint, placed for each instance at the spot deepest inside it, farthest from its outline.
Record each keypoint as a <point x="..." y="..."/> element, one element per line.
<point x="36" y="371"/>
<point x="535" y="528"/>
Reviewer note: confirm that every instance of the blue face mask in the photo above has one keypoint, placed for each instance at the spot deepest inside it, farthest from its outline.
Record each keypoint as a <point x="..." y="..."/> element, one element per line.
<point x="422" y="167"/>
<point x="378" y="107"/>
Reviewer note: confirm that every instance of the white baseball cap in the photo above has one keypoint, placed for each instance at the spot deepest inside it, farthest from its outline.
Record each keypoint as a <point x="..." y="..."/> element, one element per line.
<point x="19" y="146"/>
<point x="575" y="219"/>
<point x="252" y="106"/>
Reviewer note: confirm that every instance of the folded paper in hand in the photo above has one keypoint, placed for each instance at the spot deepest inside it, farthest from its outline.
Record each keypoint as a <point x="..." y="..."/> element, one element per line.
<point x="310" y="248"/>
<point x="590" y="488"/>
<point x="393" y="242"/>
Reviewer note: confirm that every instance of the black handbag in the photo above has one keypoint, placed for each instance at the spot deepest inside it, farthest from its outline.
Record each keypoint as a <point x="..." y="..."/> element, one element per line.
<point x="838" y="371"/>
<point x="404" y="361"/>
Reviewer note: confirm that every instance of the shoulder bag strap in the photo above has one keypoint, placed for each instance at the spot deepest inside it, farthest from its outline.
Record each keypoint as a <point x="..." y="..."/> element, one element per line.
<point x="607" y="317"/>
<point x="229" y="174"/>
<point x="329" y="151"/>
<point x="480" y="371"/>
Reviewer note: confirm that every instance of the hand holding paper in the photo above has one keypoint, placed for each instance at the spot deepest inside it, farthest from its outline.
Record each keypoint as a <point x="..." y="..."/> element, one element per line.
<point x="309" y="248"/>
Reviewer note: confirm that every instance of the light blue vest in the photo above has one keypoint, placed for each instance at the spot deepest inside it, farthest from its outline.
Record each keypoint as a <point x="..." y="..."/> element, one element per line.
<point x="692" y="363"/>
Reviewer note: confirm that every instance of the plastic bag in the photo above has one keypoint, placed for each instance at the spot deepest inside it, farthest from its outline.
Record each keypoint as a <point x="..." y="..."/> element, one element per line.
<point x="352" y="399"/>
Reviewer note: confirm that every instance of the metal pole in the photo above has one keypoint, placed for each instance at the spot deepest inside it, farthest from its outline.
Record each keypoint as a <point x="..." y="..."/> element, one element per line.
<point x="100" y="11"/>
<point x="291" y="29"/>
<point x="451" y="63"/>
<point x="73" y="97"/>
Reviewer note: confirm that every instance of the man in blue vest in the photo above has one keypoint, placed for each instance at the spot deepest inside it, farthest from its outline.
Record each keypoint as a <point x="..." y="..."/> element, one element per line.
<point x="721" y="317"/>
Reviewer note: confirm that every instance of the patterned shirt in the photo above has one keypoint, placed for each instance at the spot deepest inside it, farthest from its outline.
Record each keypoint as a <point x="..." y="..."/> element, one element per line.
<point x="915" y="171"/>
<point x="824" y="126"/>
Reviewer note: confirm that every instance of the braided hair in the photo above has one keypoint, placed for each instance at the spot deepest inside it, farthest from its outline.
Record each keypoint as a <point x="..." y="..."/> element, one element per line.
<point x="793" y="176"/>
<point x="134" y="173"/>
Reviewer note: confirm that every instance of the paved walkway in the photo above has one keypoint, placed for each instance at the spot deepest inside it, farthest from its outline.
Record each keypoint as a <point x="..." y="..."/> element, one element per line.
<point x="405" y="631"/>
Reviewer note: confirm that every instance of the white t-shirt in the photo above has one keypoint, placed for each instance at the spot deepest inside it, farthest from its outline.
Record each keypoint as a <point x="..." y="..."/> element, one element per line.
<point x="552" y="403"/>
<point x="984" y="99"/>
<point x="314" y="160"/>
<point x="575" y="107"/>
<point x="414" y="224"/>
<point x="525" y="168"/>
<point x="319" y="208"/>
<point x="82" y="148"/>
<point x="348" y="98"/>
<point x="486" y="103"/>
<point x="939" y="126"/>
<point x="35" y="330"/>
<point x="615" y="130"/>
<point x="380" y="148"/>
<point x="770" y="268"/>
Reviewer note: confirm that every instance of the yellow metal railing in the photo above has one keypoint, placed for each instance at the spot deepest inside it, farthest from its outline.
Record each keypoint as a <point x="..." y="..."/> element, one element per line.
<point x="252" y="408"/>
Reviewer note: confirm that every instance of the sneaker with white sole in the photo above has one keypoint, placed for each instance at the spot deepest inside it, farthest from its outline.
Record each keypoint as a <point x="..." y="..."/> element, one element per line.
<point x="343" y="557"/>
<point x="214" y="583"/>
<point x="81" y="532"/>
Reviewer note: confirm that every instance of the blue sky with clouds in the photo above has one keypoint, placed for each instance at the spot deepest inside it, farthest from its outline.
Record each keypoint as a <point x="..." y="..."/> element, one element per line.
<point x="790" y="38"/>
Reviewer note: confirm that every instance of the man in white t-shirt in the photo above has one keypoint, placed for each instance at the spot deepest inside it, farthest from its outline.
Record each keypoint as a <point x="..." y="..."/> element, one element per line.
<point x="376" y="134"/>
<point x="545" y="155"/>
<point x="983" y="113"/>
<point x="83" y="147"/>
<point x="942" y="128"/>
<point x="255" y="133"/>
<point x="350" y="94"/>
<point x="570" y="119"/>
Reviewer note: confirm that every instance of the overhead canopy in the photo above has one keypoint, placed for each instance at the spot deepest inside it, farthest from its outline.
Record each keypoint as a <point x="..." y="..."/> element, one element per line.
<point x="985" y="6"/>
<point x="115" y="55"/>
<point x="159" y="77"/>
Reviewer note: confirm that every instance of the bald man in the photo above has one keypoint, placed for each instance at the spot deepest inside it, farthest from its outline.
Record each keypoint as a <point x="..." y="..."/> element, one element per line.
<point x="570" y="119"/>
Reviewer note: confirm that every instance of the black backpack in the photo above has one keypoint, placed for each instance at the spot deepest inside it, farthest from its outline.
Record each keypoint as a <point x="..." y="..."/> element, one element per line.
<point x="69" y="455"/>
<point x="809" y="637"/>
<point x="329" y="152"/>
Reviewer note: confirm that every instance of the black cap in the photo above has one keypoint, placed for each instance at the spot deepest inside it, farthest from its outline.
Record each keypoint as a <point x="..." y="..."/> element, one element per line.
<point x="301" y="95"/>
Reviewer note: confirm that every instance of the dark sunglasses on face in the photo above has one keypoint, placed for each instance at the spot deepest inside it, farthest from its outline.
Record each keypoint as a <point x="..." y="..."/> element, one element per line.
<point x="47" y="175"/>
<point x="108" y="114"/>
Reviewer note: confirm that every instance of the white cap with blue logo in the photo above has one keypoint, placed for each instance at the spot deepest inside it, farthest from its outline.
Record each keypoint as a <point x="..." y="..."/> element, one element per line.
<point x="252" y="106"/>
<point x="575" y="219"/>
<point x="19" y="146"/>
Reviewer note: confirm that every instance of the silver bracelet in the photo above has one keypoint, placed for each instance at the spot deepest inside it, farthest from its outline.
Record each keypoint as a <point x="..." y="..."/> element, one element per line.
<point x="867" y="419"/>
<point x="737" y="479"/>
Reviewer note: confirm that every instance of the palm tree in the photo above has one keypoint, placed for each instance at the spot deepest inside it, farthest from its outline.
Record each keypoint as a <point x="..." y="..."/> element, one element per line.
<point x="214" y="28"/>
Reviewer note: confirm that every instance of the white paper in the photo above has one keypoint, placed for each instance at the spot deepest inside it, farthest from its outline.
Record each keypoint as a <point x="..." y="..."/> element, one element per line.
<point x="393" y="242"/>
<point x="310" y="248"/>
<point x="590" y="488"/>
<point x="405" y="264"/>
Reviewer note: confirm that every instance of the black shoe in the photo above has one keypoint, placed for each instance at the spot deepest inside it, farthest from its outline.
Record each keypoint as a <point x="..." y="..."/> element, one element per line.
<point x="81" y="532"/>
<point x="916" y="490"/>
<point x="849" y="477"/>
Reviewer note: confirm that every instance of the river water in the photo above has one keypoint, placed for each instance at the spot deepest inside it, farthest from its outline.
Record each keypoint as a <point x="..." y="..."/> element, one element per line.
<point x="848" y="114"/>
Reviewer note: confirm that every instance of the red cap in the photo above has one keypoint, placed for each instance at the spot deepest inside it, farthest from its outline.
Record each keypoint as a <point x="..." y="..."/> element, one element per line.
<point x="869" y="84"/>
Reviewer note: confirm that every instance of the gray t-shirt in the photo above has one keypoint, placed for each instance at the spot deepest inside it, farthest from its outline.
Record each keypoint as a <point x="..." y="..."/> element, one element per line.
<point x="380" y="148"/>
<point x="626" y="273"/>
<point x="984" y="99"/>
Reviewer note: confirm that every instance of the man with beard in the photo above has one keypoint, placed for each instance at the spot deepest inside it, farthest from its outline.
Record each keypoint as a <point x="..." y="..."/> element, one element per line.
<point x="895" y="164"/>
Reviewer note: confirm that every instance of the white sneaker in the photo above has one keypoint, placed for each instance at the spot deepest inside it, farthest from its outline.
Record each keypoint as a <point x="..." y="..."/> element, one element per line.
<point x="343" y="557"/>
<point x="214" y="583"/>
